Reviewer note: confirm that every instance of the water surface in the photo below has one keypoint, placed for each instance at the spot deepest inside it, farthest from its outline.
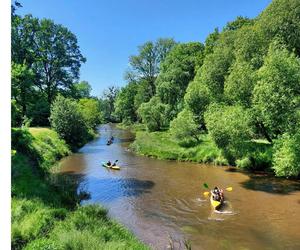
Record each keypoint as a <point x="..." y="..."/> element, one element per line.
<point x="159" y="200"/>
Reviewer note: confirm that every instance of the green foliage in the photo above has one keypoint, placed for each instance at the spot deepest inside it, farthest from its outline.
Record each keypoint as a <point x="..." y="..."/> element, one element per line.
<point x="240" y="84"/>
<point x="162" y="146"/>
<point x="154" y="114"/>
<point x="211" y="41"/>
<point x="146" y="65"/>
<point x="197" y="100"/>
<point x="281" y="20"/>
<point x="229" y="127"/>
<point x="286" y="160"/>
<point x="216" y="65"/>
<point x="16" y="114"/>
<point x="176" y="71"/>
<point x="90" y="110"/>
<point x="124" y="104"/>
<point x="183" y="127"/>
<point x="107" y="104"/>
<point x="48" y="146"/>
<point x="22" y="85"/>
<point x="238" y="23"/>
<point x="81" y="90"/>
<point x="67" y="120"/>
<point x="276" y="95"/>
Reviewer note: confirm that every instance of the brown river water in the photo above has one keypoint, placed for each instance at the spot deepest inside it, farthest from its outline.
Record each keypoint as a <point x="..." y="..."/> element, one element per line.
<point x="158" y="200"/>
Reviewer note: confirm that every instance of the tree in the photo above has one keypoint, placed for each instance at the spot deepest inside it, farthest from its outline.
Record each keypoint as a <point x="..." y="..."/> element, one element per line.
<point x="145" y="65"/>
<point x="22" y="85"/>
<point x="286" y="159"/>
<point x="197" y="100"/>
<point x="177" y="70"/>
<point x="50" y="50"/>
<point x="281" y="20"/>
<point x="124" y="104"/>
<point x="90" y="110"/>
<point x="154" y="114"/>
<point x="211" y="42"/>
<point x="230" y="128"/>
<point x="67" y="120"/>
<point x="238" y="23"/>
<point x="276" y="95"/>
<point x="184" y="127"/>
<point x="81" y="90"/>
<point x="240" y="83"/>
<point x="216" y="65"/>
<point x="109" y="98"/>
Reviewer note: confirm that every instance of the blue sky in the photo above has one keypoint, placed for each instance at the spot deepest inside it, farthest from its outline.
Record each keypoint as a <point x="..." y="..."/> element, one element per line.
<point x="109" y="31"/>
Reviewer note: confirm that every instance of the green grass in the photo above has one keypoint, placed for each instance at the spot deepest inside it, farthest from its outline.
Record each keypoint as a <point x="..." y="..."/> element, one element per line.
<point x="45" y="211"/>
<point x="161" y="145"/>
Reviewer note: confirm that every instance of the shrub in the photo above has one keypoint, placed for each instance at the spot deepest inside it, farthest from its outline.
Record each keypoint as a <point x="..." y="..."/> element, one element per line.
<point x="286" y="161"/>
<point x="183" y="127"/>
<point x="229" y="127"/>
<point x="67" y="120"/>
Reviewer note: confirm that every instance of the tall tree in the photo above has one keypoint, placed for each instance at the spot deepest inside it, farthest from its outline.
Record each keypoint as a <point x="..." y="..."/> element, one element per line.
<point x="145" y="65"/>
<point x="50" y="50"/>
<point x="109" y="98"/>
<point x="177" y="70"/>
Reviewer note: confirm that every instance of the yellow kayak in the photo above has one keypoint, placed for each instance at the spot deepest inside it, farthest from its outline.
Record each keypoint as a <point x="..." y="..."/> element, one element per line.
<point x="216" y="204"/>
<point x="110" y="167"/>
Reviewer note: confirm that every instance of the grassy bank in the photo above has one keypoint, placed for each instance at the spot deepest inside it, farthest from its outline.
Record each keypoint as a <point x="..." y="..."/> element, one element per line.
<point x="162" y="146"/>
<point x="45" y="210"/>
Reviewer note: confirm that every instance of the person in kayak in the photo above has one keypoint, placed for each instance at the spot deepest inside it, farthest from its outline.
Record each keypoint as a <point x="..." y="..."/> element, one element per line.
<point x="108" y="163"/>
<point x="217" y="194"/>
<point x="115" y="163"/>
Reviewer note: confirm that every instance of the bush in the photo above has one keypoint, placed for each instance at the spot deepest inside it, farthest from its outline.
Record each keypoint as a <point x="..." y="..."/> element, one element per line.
<point x="183" y="127"/>
<point x="90" y="110"/>
<point x="286" y="161"/>
<point x="67" y="120"/>
<point x="229" y="127"/>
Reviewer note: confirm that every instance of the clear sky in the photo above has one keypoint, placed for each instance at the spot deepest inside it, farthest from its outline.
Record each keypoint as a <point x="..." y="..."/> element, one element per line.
<point x="109" y="31"/>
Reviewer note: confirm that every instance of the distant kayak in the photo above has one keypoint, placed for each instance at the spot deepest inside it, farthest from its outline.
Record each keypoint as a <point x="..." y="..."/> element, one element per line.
<point x="215" y="204"/>
<point x="104" y="164"/>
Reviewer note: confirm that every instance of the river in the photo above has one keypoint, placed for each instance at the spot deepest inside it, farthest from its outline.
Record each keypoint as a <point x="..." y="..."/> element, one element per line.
<point x="162" y="200"/>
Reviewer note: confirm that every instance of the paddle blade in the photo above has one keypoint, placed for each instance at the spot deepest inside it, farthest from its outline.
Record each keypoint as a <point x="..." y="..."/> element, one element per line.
<point x="229" y="189"/>
<point x="205" y="185"/>
<point x="206" y="194"/>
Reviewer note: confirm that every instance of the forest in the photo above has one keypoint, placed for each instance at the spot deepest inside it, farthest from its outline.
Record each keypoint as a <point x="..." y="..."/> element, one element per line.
<point x="235" y="98"/>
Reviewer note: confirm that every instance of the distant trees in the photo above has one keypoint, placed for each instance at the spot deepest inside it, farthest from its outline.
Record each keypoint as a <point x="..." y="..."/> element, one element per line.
<point x="124" y="104"/>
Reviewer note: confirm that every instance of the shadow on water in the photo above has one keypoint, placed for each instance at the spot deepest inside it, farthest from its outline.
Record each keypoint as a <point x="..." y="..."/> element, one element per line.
<point x="271" y="184"/>
<point x="110" y="189"/>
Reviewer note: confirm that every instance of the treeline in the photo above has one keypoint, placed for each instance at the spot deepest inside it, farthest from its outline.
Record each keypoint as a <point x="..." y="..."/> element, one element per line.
<point x="46" y="61"/>
<point x="241" y="87"/>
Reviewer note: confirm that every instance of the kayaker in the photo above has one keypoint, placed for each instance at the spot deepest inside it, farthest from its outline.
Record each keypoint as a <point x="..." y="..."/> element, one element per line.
<point x="108" y="163"/>
<point x="115" y="163"/>
<point x="217" y="194"/>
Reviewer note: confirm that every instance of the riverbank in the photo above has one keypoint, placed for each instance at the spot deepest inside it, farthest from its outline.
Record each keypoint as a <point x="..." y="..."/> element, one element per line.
<point x="45" y="204"/>
<point x="163" y="146"/>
